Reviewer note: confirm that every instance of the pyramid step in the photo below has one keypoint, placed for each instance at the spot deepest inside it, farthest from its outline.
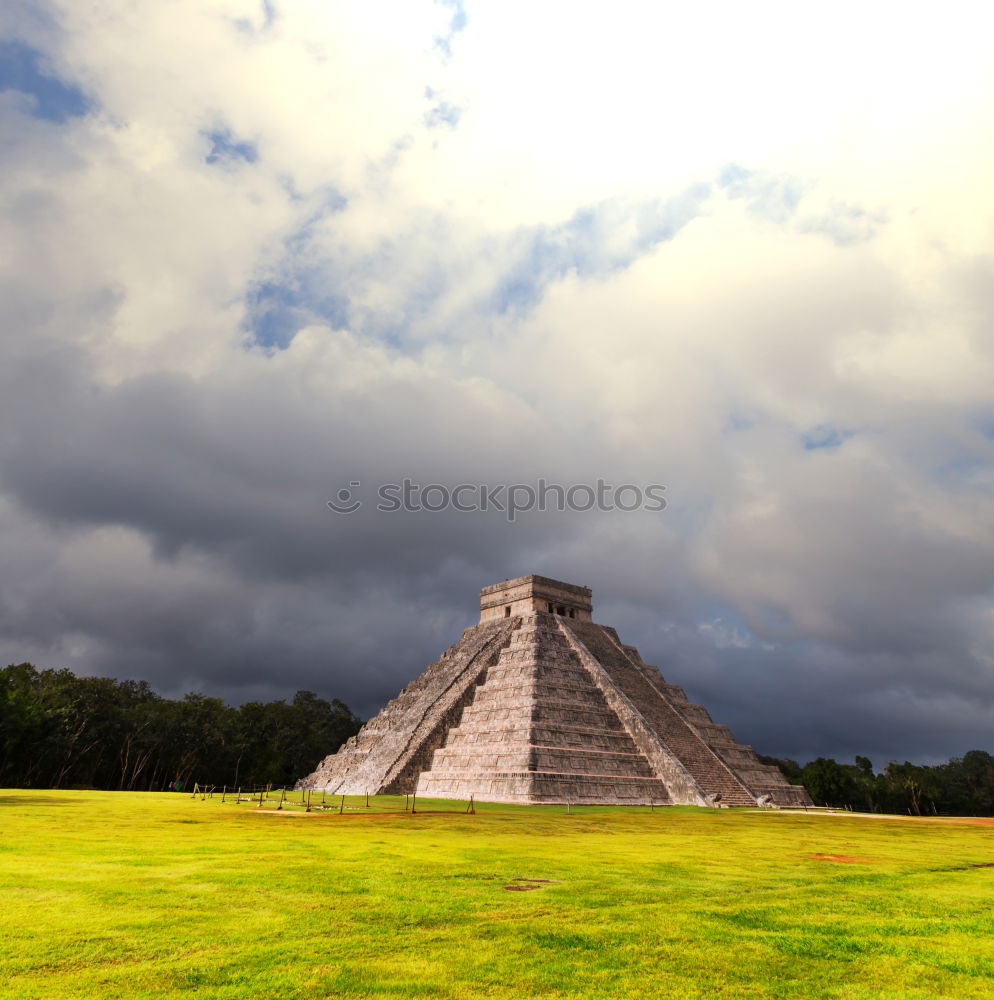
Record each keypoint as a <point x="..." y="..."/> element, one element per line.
<point x="557" y="760"/>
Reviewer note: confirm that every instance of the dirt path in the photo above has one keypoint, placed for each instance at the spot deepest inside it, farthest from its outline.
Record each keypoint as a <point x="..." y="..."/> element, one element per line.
<point x="948" y="820"/>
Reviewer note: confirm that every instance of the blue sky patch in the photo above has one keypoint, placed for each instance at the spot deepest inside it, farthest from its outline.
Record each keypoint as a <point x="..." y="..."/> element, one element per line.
<point x="824" y="436"/>
<point x="443" y="115"/>
<point x="249" y="27"/>
<point x="298" y="293"/>
<point x="25" y="69"/>
<point x="582" y="244"/>
<point x="773" y="197"/>
<point x="735" y="422"/>
<point x="276" y="312"/>
<point x="226" y="150"/>
<point x="457" y="23"/>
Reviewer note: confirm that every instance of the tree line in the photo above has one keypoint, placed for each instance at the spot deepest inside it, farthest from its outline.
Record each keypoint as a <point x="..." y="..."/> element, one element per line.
<point x="58" y="730"/>
<point x="963" y="786"/>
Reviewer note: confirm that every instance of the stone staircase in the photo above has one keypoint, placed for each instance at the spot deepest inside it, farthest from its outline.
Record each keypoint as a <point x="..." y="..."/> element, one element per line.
<point x="707" y="769"/>
<point x="539" y="730"/>
<point x="390" y="751"/>
<point x="761" y="779"/>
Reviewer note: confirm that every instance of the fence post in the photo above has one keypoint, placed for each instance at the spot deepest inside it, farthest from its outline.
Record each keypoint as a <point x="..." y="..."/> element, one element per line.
<point x="308" y="809"/>
<point x="414" y="799"/>
<point x="341" y="806"/>
<point x="194" y="795"/>
<point x="367" y="798"/>
<point x="282" y="798"/>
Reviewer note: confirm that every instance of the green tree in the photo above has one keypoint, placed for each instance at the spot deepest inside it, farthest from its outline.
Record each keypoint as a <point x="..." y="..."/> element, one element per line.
<point x="829" y="783"/>
<point x="58" y="730"/>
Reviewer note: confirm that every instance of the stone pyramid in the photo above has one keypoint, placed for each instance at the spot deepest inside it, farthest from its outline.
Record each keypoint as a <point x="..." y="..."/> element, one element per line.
<point x="535" y="704"/>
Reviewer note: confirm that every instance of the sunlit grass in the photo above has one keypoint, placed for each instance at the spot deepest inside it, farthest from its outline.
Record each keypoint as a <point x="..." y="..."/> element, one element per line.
<point x="132" y="895"/>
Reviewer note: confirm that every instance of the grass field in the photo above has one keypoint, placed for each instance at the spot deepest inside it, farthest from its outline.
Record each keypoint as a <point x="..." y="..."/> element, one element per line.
<point x="155" y="895"/>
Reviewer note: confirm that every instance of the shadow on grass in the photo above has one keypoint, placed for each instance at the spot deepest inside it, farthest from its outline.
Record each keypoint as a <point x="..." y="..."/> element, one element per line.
<point x="35" y="800"/>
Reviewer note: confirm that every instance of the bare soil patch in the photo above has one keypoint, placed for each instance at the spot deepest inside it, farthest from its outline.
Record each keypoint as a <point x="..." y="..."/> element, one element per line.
<point x="520" y="884"/>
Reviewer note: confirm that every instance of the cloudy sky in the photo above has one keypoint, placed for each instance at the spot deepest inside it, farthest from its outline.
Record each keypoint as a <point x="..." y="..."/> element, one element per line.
<point x="255" y="252"/>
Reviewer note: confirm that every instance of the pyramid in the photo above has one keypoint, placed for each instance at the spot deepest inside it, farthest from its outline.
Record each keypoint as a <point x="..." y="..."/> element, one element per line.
<point x="536" y="704"/>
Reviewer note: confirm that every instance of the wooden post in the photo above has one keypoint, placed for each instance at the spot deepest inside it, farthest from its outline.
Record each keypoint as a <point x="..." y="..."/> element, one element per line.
<point x="322" y="796"/>
<point x="308" y="809"/>
<point x="406" y="804"/>
<point x="194" y="795"/>
<point x="260" y="798"/>
<point x="414" y="799"/>
<point x="224" y="791"/>
<point x="367" y="798"/>
<point x="238" y="800"/>
<point x="282" y="798"/>
<point x="341" y="807"/>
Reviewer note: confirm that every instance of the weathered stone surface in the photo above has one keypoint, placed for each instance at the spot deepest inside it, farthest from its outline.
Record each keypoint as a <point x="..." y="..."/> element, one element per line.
<point x="528" y="594"/>
<point x="391" y="750"/>
<point x="539" y="705"/>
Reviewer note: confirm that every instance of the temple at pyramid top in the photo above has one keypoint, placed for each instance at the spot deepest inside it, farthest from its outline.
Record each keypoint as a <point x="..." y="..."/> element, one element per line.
<point x="537" y="703"/>
<point x="526" y="594"/>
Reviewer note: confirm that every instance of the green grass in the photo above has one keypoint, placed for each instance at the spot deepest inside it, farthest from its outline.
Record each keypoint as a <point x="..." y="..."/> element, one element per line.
<point x="130" y="895"/>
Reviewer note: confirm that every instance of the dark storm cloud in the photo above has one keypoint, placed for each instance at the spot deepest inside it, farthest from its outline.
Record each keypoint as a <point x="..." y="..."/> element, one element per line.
<point x="818" y="408"/>
<point x="177" y="531"/>
<point x="889" y="704"/>
<point x="242" y="470"/>
<point x="215" y="561"/>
